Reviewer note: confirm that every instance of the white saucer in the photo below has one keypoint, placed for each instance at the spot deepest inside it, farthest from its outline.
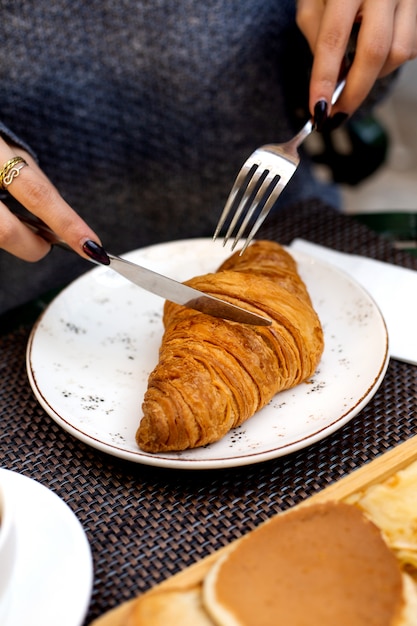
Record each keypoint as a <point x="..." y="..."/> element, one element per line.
<point x="53" y="574"/>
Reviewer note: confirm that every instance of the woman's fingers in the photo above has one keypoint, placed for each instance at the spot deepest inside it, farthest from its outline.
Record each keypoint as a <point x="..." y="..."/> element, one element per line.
<point x="308" y="17"/>
<point x="36" y="193"/>
<point x="19" y="240"/>
<point x="387" y="38"/>
<point x="373" y="46"/>
<point x="404" y="37"/>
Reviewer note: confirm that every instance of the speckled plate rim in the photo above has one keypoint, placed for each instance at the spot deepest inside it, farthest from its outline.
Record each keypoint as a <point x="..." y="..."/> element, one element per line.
<point x="332" y="292"/>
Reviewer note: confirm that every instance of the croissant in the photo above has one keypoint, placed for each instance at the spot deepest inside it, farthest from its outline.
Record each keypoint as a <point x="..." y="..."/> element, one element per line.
<point x="214" y="374"/>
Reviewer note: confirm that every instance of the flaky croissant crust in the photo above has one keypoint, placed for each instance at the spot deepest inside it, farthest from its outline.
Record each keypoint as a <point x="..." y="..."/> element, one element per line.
<point x="214" y="374"/>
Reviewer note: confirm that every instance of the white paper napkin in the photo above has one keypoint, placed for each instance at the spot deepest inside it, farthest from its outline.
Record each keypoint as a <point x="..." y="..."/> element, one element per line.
<point x="393" y="288"/>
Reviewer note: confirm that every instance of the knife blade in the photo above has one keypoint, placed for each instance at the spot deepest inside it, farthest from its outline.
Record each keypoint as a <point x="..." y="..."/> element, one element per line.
<point x="183" y="294"/>
<point x="158" y="284"/>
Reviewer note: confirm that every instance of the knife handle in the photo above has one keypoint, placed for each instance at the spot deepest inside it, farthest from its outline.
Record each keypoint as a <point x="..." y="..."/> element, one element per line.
<point x="40" y="228"/>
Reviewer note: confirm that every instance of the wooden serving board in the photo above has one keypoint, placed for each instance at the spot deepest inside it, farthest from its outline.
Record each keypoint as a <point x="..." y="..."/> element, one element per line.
<point x="374" y="472"/>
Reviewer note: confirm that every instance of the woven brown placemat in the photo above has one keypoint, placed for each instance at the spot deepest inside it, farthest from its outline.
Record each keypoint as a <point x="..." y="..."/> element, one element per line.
<point x="145" y="523"/>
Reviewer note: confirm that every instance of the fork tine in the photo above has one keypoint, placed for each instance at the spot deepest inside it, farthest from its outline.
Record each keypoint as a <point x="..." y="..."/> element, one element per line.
<point x="239" y="187"/>
<point x="247" y="199"/>
<point x="273" y="197"/>
<point x="269" y="183"/>
<point x="259" y="190"/>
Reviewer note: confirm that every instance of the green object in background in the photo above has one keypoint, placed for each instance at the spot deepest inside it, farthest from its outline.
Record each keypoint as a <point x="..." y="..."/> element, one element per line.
<point x="400" y="228"/>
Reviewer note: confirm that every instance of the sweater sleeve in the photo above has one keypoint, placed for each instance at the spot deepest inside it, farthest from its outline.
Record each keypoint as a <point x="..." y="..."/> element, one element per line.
<point x="10" y="137"/>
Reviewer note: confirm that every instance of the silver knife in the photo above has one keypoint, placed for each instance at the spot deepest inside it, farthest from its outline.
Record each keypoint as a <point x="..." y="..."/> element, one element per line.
<point x="159" y="284"/>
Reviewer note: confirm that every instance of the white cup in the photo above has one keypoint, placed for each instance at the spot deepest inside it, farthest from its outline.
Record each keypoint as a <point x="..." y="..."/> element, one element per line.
<point x="7" y="547"/>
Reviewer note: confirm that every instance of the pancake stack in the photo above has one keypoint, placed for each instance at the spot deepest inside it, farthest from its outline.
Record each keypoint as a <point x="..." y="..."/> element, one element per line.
<point x="320" y="565"/>
<point x="350" y="563"/>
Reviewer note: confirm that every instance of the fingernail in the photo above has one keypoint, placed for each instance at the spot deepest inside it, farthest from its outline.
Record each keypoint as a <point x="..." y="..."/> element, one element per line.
<point x="320" y="114"/>
<point x="337" y="120"/>
<point x="96" y="252"/>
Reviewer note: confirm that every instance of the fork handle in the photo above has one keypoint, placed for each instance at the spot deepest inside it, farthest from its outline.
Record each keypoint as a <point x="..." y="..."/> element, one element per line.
<point x="308" y="127"/>
<point x="339" y="88"/>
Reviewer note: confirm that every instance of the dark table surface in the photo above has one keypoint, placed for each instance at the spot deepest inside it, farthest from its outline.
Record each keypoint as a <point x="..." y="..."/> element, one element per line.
<point x="145" y="524"/>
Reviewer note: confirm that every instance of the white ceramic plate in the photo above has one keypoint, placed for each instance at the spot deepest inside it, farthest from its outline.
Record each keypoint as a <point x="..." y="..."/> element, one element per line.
<point x="53" y="572"/>
<point x="90" y="354"/>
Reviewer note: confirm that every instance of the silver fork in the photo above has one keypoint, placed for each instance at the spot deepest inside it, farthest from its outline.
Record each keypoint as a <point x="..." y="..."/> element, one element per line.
<point x="260" y="182"/>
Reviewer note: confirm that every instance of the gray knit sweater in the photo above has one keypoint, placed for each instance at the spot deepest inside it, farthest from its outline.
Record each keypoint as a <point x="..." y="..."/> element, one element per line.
<point x="142" y="113"/>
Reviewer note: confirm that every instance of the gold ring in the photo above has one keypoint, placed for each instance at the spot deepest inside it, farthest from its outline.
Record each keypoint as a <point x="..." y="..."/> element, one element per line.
<point x="10" y="170"/>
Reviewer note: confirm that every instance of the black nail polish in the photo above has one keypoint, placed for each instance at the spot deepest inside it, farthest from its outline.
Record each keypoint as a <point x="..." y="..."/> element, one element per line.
<point x="337" y="120"/>
<point x="320" y="114"/>
<point x="96" y="252"/>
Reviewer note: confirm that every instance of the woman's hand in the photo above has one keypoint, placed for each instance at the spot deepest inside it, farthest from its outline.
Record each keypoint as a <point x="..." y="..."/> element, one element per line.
<point x="36" y="193"/>
<point x="387" y="38"/>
